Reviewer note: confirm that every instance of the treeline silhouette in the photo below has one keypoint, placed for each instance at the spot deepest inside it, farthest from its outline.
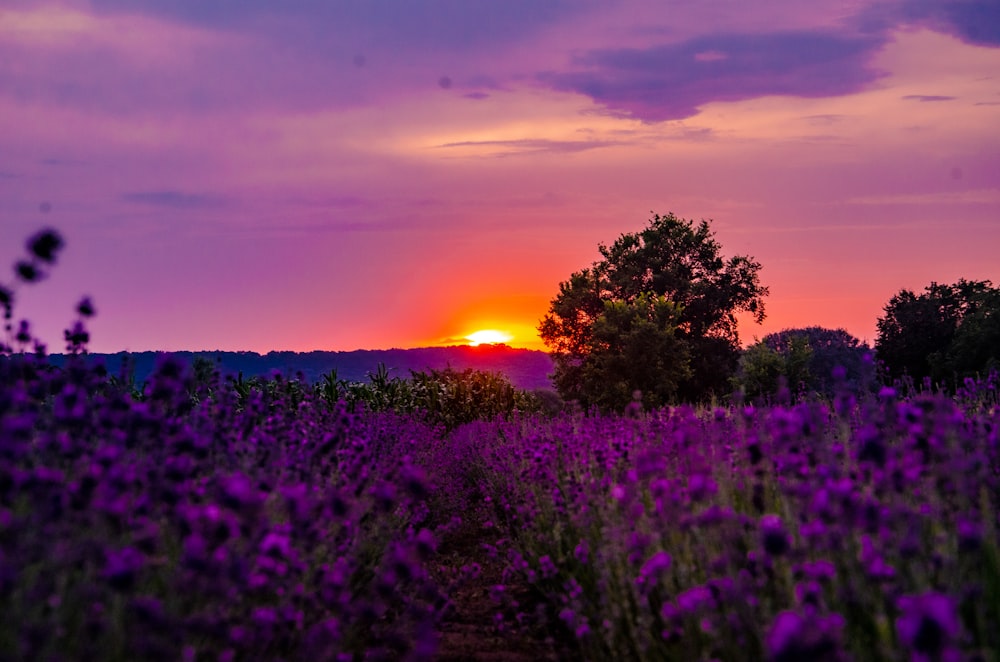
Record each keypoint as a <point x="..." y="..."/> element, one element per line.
<point x="526" y="369"/>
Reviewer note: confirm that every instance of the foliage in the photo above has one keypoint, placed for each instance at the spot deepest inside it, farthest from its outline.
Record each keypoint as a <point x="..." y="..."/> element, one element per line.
<point x="438" y="397"/>
<point x="765" y="371"/>
<point x="672" y="261"/>
<point x="812" y="360"/>
<point x="943" y="334"/>
<point x="635" y="349"/>
<point x="42" y="250"/>
<point x="975" y="347"/>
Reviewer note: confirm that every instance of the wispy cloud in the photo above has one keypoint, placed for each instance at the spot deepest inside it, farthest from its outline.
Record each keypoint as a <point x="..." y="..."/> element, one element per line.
<point x="52" y="161"/>
<point x="824" y="120"/>
<point x="532" y="145"/>
<point x="174" y="199"/>
<point x="927" y="97"/>
<point x="973" y="196"/>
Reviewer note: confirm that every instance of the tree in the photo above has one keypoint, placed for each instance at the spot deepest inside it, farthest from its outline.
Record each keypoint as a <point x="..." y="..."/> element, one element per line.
<point x="637" y="350"/>
<point x="763" y="368"/>
<point x="946" y="332"/>
<point x="807" y="358"/>
<point x="975" y="348"/>
<point x="657" y="311"/>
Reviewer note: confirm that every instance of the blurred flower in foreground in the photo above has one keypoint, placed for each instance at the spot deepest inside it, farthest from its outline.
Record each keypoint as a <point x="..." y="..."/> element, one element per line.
<point x="928" y="623"/>
<point x="794" y="636"/>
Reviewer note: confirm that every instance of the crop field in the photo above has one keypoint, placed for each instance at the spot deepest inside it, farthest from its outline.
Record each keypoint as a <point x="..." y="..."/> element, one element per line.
<point x="195" y="520"/>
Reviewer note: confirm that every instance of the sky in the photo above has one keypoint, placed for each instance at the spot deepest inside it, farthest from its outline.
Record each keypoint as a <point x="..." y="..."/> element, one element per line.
<point x="305" y="174"/>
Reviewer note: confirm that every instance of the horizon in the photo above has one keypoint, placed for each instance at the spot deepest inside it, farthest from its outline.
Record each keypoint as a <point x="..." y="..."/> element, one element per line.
<point x="376" y="176"/>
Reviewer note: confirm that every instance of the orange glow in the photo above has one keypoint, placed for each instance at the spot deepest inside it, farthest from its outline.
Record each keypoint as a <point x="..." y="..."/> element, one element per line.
<point x="488" y="337"/>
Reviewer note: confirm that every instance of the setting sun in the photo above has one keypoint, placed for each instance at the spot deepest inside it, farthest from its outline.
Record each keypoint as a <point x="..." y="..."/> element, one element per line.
<point x="488" y="337"/>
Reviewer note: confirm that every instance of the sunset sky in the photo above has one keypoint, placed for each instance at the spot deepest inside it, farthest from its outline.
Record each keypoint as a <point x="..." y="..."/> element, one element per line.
<point x="344" y="174"/>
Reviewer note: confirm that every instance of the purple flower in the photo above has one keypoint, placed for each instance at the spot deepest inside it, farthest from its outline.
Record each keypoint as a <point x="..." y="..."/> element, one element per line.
<point x="276" y="544"/>
<point x="385" y="496"/>
<point x="654" y="567"/>
<point x="547" y="567"/>
<point x="701" y="487"/>
<point x="426" y="544"/>
<point x="45" y="244"/>
<point x="27" y="271"/>
<point x="85" y="308"/>
<point x="928" y="623"/>
<point x="809" y="593"/>
<point x="820" y="569"/>
<point x="970" y="535"/>
<point x="773" y="535"/>
<point x="794" y="636"/>
<point x="264" y="617"/>
<point x="694" y="599"/>
<point x="194" y="552"/>
<point x="238" y="492"/>
<point x="122" y="566"/>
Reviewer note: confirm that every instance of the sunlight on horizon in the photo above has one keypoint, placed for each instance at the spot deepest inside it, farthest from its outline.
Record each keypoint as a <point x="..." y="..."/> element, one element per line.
<point x="488" y="337"/>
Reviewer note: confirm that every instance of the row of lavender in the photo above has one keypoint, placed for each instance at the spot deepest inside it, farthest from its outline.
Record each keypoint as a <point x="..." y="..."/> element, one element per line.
<point x="821" y="531"/>
<point x="176" y="526"/>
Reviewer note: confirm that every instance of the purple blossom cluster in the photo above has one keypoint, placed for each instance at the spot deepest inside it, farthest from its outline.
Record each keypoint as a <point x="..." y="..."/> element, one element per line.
<point x="186" y="522"/>
<point x="821" y="531"/>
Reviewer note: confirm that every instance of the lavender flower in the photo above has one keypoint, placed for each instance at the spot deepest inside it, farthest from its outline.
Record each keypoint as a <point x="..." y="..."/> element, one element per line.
<point x="773" y="535"/>
<point x="797" y="636"/>
<point x="927" y="623"/>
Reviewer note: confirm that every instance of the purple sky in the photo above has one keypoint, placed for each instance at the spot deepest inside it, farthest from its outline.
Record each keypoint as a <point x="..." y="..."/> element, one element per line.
<point x="307" y="174"/>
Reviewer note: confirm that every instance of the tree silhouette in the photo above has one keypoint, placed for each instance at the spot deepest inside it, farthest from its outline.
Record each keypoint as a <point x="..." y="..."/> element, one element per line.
<point x="944" y="333"/>
<point x="657" y="311"/>
<point x="807" y="358"/>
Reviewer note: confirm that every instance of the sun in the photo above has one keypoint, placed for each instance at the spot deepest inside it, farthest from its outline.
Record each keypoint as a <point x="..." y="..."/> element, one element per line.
<point x="488" y="337"/>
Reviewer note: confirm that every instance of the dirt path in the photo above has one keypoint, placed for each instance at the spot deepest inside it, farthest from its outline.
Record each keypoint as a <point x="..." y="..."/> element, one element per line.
<point x="468" y="632"/>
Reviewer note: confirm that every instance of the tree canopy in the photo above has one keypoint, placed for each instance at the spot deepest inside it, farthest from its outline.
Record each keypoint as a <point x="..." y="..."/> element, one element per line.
<point x="656" y="314"/>
<point x="806" y="358"/>
<point x="945" y="333"/>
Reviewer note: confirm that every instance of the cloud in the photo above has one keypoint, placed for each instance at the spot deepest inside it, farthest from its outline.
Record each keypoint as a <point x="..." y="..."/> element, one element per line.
<point x="984" y="196"/>
<point x="824" y="119"/>
<point x="62" y="162"/>
<point x="387" y="25"/>
<point x="533" y="145"/>
<point x="927" y="97"/>
<point x="972" y="21"/>
<point x="174" y="199"/>
<point x="672" y="81"/>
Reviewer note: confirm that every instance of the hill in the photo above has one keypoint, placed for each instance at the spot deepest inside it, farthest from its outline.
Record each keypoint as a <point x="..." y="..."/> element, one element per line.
<point x="526" y="368"/>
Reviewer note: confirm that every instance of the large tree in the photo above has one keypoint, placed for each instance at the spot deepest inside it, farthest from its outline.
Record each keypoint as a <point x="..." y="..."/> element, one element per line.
<point x="944" y="333"/>
<point x="656" y="314"/>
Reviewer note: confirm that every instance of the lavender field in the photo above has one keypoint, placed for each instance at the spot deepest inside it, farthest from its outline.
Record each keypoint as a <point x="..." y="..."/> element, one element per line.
<point x="192" y="524"/>
<point x="197" y="518"/>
